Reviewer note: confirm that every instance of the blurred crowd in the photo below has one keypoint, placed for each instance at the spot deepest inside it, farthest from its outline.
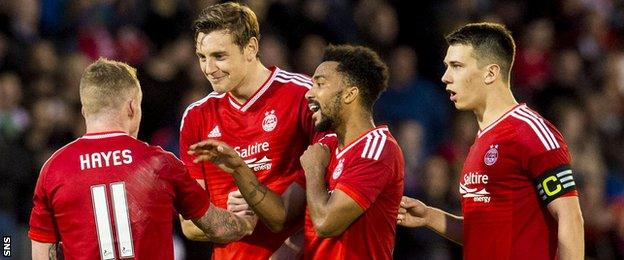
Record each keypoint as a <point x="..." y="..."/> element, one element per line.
<point x="569" y="67"/>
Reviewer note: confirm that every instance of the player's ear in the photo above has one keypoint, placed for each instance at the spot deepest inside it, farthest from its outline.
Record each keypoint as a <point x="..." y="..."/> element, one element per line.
<point x="251" y="50"/>
<point x="350" y="94"/>
<point x="131" y="107"/>
<point x="492" y="72"/>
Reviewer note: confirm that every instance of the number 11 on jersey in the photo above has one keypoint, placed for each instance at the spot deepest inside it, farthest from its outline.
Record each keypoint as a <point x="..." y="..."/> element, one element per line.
<point x="103" y="221"/>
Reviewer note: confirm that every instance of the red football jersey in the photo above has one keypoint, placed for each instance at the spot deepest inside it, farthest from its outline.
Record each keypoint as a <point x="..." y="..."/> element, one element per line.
<point x="370" y="171"/>
<point x="270" y="131"/>
<point x="516" y="166"/>
<point x="111" y="196"/>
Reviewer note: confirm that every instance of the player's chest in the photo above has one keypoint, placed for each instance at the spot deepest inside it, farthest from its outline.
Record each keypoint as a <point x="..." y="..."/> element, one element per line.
<point x="336" y="168"/>
<point x="492" y="170"/>
<point x="262" y="123"/>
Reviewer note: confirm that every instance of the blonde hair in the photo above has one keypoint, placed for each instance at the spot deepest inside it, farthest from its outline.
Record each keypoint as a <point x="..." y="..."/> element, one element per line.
<point x="106" y="84"/>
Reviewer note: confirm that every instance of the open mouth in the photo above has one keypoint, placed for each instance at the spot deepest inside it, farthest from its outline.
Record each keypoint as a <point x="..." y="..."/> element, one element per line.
<point x="314" y="107"/>
<point x="452" y="94"/>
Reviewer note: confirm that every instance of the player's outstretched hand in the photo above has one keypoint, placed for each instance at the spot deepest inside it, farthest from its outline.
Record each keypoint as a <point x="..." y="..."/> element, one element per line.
<point x="217" y="152"/>
<point x="412" y="213"/>
<point x="315" y="159"/>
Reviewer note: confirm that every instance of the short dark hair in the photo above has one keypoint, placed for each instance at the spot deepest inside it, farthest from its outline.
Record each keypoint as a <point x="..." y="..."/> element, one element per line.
<point x="492" y="43"/>
<point x="362" y="68"/>
<point x="237" y="19"/>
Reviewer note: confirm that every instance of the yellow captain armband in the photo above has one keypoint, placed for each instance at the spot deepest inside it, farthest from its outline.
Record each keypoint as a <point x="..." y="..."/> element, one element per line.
<point x="554" y="183"/>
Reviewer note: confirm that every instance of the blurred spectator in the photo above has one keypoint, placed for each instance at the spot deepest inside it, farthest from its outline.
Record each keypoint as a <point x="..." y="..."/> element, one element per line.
<point x="272" y="51"/>
<point x="411" y="137"/>
<point x="411" y="97"/>
<point x="13" y="117"/>
<point x="378" y="23"/>
<point x="310" y="53"/>
<point x="533" y="58"/>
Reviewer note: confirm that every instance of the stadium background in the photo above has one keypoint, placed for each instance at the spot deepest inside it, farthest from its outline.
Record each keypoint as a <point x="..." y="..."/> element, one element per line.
<point x="569" y="67"/>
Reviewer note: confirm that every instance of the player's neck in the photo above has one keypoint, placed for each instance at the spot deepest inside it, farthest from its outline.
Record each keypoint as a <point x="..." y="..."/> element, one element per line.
<point x="255" y="78"/>
<point x="496" y="104"/>
<point x="354" y="127"/>
<point x="99" y="125"/>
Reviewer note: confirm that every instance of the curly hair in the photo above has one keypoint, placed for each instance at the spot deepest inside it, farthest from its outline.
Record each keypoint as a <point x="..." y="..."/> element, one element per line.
<point x="362" y="68"/>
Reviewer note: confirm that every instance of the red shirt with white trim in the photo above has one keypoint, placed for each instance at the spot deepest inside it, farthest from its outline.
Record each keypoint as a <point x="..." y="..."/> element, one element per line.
<point x="111" y="196"/>
<point x="270" y="132"/>
<point x="515" y="168"/>
<point x="370" y="171"/>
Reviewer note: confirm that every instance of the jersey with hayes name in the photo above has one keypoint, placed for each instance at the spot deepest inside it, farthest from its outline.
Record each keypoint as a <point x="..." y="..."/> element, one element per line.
<point x="516" y="166"/>
<point x="270" y="131"/>
<point x="111" y="196"/>
<point x="370" y="171"/>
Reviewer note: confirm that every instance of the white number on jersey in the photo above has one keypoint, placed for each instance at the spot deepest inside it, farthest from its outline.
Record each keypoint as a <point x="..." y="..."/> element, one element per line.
<point x="122" y="220"/>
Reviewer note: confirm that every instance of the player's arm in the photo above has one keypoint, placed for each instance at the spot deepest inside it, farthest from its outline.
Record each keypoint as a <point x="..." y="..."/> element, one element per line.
<point x="548" y="163"/>
<point x="189" y="229"/>
<point x="330" y="214"/>
<point x="44" y="251"/>
<point x="557" y="189"/>
<point x="567" y="212"/>
<point x="43" y="230"/>
<point x="413" y="213"/>
<point x="222" y="226"/>
<point x="274" y="210"/>
<point x="217" y="225"/>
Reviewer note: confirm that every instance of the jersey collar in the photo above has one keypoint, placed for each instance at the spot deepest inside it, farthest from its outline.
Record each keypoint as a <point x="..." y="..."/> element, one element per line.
<point x="245" y="106"/>
<point x="492" y="125"/>
<point x="100" y="135"/>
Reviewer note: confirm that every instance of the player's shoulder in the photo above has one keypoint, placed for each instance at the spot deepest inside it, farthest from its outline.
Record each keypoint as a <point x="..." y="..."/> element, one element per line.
<point x="295" y="82"/>
<point x="376" y="145"/>
<point x="330" y="140"/>
<point x="59" y="157"/>
<point x="193" y="109"/>
<point x="157" y="151"/>
<point x="534" y="130"/>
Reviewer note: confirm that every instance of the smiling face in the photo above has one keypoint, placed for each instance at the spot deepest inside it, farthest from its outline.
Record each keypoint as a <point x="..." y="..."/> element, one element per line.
<point x="325" y="96"/>
<point x="223" y="62"/>
<point x="463" y="78"/>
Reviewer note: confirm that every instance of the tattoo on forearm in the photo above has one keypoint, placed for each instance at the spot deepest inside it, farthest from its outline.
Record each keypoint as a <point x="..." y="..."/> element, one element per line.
<point x="52" y="251"/>
<point x="222" y="227"/>
<point x="258" y="188"/>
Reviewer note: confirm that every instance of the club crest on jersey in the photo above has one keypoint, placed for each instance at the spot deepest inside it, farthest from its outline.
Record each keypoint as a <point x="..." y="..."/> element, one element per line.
<point x="491" y="155"/>
<point x="270" y="121"/>
<point x="338" y="171"/>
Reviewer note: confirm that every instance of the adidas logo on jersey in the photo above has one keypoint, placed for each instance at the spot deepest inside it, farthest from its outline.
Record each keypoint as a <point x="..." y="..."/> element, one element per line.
<point x="214" y="132"/>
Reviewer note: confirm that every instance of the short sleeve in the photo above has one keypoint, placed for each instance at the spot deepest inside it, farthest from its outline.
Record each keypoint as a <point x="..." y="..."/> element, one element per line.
<point x="42" y="225"/>
<point x="547" y="161"/>
<point x="191" y="201"/>
<point x="189" y="135"/>
<point x="364" y="179"/>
